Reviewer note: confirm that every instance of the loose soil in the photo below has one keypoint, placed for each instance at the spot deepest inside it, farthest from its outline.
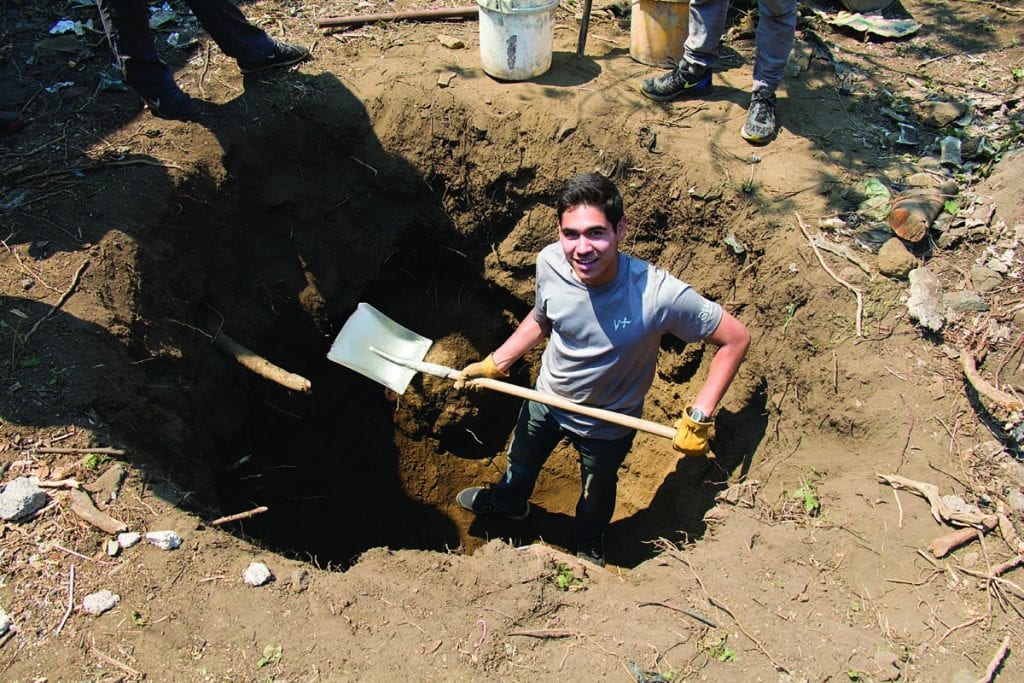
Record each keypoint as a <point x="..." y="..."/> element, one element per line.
<point x="390" y="169"/>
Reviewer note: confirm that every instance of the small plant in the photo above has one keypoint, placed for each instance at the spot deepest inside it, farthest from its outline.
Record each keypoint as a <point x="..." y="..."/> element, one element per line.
<point x="92" y="461"/>
<point x="718" y="649"/>
<point x="808" y="492"/>
<point x="138" y="619"/>
<point x="855" y="676"/>
<point x="952" y="207"/>
<point x="1018" y="73"/>
<point x="790" y="314"/>
<point x="565" y="578"/>
<point x="271" y="655"/>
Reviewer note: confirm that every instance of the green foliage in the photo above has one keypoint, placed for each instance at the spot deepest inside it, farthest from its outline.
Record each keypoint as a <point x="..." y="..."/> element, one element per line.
<point x="29" y="362"/>
<point x="718" y="649"/>
<point x="565" y="578"/>
<point x="809" y="493"/>
<point x="138" y="619"/>
<point x="1018" y="73"/>
<point x="92" y="461"/>
<point x="271" y="655"/>
<point x="952" y="207"/>
<point x="855" y="675"/>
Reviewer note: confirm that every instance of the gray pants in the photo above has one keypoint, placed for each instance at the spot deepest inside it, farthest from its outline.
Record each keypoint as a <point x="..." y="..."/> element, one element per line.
<point x="773" y="40"/>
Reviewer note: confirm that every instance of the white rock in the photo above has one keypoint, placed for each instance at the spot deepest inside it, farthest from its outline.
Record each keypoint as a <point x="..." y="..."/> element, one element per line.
<point x="113" y="548"/>
<point x="165" y="540"/>
<point x="129" y="538"/>
<point x="5" y="622"/>
<point x="100" y="602"/>
<point x="257" y="574"/>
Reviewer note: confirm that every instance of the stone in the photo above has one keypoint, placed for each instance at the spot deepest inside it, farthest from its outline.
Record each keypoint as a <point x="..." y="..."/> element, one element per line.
<point x="5" y="622"/>
<point x="300" y="580"/>
<point x="985" y="279"/>
<point x="129" y="538"/>
<point x="165" y="540"/>
<point x="941" y="113"/>
<point x="895" y="260"/>
<point x="1016" y="500"/>
<point x="20" y="499"/>
<point x="99" y="602"/>
<point x="964" y="301"/>
<point x="108" y="484"/>
<point x="113" y="548"/>
<point x="451" y="42"/>
<point x="888" y="665"/>
<point x="257" y="574"/>
<point x="925" y="301"/>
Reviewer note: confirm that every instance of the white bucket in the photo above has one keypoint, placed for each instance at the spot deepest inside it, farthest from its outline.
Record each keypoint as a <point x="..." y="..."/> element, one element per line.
<point x="516" y="37"/>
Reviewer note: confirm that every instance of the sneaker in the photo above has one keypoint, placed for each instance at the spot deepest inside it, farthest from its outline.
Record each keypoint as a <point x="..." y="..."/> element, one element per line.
<point x="591" y="550"/>
<point x="172" y="104"/>
<point x="477" y="499"/>
<point x="283" y="55"/>
<point x="684" y="80"/>
<point x="760" y="126"/>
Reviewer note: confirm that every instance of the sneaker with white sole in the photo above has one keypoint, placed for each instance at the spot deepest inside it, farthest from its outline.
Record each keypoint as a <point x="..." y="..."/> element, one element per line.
<point x="172" y="104"/>
<point x="686" y="80"/>
<point x="760" y="127"/>
<point x="479" y="501"/>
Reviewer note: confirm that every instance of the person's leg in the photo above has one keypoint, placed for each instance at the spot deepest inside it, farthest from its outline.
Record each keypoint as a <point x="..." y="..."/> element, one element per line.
<point x="707" y="22"/>
<point x="126" y="23"/>
<point x="232" y="32"/>
<point x="535" y="436"/>
<point x="599" y="472"/>
<point x="776" y="27"/>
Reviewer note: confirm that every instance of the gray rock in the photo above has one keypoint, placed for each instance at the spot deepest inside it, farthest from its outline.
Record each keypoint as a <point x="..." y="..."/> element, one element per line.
<point x="895" y="260"/>
<point x="300" y="580"/>
<point x="1016" y="500"/>
<point x="165" y="540"/>
<point x="129" y="538"/>
<point x="940" y="114"/>
<point x="5" y="622"/>
<point x="257" y="574"/>
<point x="925" y="301"/>
<point x="964" y="301"/>
<point x="99" y="602"/>
<point x="985" y="279"/>
<point x="20" y="499"/>
<point x="888" y="666"/>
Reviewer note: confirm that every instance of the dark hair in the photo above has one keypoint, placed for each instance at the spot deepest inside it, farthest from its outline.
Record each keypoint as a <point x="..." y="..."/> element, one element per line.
<point x="592" y="189"/>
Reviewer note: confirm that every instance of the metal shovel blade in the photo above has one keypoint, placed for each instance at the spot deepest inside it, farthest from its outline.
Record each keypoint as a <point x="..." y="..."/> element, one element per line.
<point x="367" y="327"/>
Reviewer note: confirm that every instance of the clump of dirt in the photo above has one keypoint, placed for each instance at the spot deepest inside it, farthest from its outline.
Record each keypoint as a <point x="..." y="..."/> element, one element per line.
<point x="391" y="170"/>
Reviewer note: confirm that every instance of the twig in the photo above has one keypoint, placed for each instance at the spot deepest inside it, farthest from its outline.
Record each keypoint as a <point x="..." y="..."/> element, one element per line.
<point x="113" y="662"/>
<point x="996" y="662"/>
<point x="546" y="633"/>
<point x="689" y="613"/>
<point x="1003" y="399"/>
<point x="260" y="365"/>
<point x="896" y="495"/>
<point x="844" y="283"/>
<point x="967" y="623"/>
<point x="241" y="515"/>
<point x="483" y="634"/>
<point x="71" y="598"/>
<point x="71" y="552"/>
<point x="62" y="300"/>
<point x="105" y="450"/>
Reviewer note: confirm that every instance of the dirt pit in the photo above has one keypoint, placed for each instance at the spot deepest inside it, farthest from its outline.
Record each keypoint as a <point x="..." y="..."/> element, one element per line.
<point x="391" y="170"/>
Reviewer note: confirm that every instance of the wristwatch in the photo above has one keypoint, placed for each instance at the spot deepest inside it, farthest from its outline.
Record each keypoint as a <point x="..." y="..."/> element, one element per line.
<point x="697" y="416"/>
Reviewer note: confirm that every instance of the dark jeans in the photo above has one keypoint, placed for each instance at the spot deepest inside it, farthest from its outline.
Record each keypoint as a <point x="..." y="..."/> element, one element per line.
<point x="127" y="25"/>
<point x="536" y="435"/>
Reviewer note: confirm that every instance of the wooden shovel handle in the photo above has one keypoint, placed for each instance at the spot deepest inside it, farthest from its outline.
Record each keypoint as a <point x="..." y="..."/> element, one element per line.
<point x="564" y="404"/>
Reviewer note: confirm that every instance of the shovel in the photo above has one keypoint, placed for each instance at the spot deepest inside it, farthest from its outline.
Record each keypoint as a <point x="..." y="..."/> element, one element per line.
<point x="379" y="348"/>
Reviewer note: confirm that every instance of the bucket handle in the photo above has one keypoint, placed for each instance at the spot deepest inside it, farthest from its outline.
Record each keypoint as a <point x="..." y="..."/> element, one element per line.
<point x="504" y="8"/>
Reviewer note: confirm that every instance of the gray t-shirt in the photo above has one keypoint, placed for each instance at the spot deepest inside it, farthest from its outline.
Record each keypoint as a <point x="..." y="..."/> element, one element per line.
<point x="604" y="342"/>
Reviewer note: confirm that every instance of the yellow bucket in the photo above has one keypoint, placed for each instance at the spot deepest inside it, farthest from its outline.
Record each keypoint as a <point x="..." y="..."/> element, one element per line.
<point x="658" y="29"/>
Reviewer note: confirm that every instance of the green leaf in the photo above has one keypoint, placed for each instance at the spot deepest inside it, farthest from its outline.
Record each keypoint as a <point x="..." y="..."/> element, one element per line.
<point x="138" y="618"/>
<point x="30" y="362"/>
<point x="91" y="461"/>
<point x="951" y="206"/>
<point x="271" y="654"/>
<point x="1018" y="73"/>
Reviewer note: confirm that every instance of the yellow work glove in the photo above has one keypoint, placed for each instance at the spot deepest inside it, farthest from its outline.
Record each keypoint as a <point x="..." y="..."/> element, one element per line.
<point x="692" y="437"/>
<point x="481" y="368"/>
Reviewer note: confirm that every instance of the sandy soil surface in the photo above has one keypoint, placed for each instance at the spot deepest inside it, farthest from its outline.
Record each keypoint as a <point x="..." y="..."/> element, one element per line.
<point x="390" y="169"/>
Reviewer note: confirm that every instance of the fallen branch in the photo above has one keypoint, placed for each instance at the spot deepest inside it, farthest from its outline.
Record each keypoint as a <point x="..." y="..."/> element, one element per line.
<point x="260" y="365"/>
<point x="82" y="505"/>
<point x="547" y="633"/>
<point x="69" y="483"/>
<point x="241" y="515"/>
<point x="841" y="250"/>
<point x="71" y="600"/>
<point x="414" y="15"/>
<point x="57" y="449"/>
<point x="61" y="301"/>
<point x="113" y="662"/>
<point x="940" y="511"/>
<point x="1001" y="398"/>
<point x="996" y="662"/>
<point x="689" y="613"/>
<point x="943" y="545"/>
<point x="844" y="283"/>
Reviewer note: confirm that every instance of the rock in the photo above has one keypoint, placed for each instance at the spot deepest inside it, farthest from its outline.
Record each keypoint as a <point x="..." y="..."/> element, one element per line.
<point x="888" y="666"/>
<point x="113" y="548"/>
<point x="257" y="574"/>
<point x="940" y="113"/>
<point x="450" y="42"/>
<point x="5" y="622"/>
<point x="985" y="279"/>
<point x="99" y="602"/>
<point x="165" y="540"/>
<point x="108" y="484"/>
<point x="914" y="210"/>
<point x="20" y="499"/>
<point x="925" y="301"/>
<point x="1016" y="500"/>
<point x="300" y="580"/>
<point x="895" y="260"/>
<point x="82" y="505"/>
<point x="129" y="538"/>
<point x="1018" y="319"/>
<point x="964" y="301"/>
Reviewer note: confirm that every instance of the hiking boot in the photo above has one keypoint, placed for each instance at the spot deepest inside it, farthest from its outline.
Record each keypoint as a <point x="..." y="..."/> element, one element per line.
<point x="172" y="104"/>
<point x="283" y="55"/>
<point x="760" y="126"/>
<point x="478" y="500"/>
<point x="591" y="550"/>
<point x="685" y="80"/>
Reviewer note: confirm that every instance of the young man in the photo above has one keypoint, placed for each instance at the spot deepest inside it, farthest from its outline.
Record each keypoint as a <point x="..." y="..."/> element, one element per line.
<point x="691" y="77"/>
<point x="604" y="313"/>
<point x="126" y="23"/>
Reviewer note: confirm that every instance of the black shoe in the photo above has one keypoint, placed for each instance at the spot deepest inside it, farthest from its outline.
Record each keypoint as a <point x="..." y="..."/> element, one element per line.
<point x="685" y="80"/>
<point x="591" y="550"/>
<point x="172" y="104"/>
<point x="283" y="55"/>
<point x="477" y="499"/>
<point x="760" y="127"/>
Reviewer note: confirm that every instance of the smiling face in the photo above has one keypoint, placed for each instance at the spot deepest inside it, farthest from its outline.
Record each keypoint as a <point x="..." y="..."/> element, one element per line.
<point x="590" y="243"/>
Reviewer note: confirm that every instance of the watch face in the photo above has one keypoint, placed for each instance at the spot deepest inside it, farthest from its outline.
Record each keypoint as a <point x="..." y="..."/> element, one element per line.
<point x="697" y="415"/>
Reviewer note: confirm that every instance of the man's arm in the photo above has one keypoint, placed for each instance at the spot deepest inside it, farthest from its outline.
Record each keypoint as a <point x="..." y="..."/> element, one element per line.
<point x="732" y="340"/>
<point x="529" y="333"/>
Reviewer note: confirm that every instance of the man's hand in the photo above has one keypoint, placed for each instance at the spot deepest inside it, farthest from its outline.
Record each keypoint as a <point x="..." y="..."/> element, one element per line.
<point x="692" y="437"/>
<point x="481" y="368"/>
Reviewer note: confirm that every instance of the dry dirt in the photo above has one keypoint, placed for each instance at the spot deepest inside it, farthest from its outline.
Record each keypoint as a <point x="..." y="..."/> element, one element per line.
<point x="390" y="169"/>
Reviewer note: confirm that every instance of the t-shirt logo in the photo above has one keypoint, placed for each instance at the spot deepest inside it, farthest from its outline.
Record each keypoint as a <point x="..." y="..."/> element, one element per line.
<point x="621" y="322"/>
